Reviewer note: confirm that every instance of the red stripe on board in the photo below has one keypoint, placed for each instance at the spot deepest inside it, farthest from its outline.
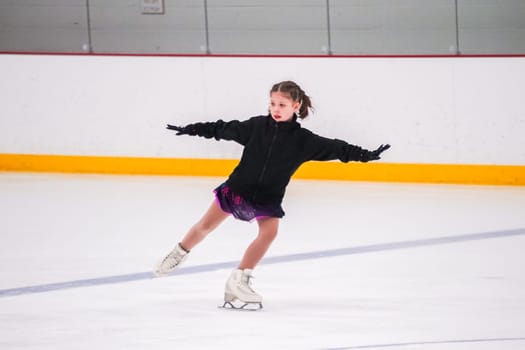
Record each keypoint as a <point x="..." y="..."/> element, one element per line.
<point x="256" y="55"/>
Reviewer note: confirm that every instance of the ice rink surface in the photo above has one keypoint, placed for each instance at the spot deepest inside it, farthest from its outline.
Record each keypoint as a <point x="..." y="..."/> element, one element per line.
<point x="355" y="266"/>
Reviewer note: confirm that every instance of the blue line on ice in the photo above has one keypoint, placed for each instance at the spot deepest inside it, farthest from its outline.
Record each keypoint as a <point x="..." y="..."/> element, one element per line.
<point x="269" y="260"/>
<point x="393" y="345"/>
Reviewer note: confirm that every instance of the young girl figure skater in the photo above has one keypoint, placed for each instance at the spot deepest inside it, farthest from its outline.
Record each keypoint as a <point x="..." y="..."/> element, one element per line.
<point x="275" y="145"/>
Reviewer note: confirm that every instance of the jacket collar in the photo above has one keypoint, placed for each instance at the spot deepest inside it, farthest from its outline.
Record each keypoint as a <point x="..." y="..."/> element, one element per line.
<point x="292" y="124"/>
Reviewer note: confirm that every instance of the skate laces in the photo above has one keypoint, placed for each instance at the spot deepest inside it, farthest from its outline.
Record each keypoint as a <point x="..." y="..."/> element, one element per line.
<point x="173" y="259"/>
<point x="247" y="281"/>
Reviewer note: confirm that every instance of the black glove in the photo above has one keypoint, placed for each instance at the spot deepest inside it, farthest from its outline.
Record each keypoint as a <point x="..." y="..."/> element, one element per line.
<point x="183" y="130"/>
<point x="374" y="155"/>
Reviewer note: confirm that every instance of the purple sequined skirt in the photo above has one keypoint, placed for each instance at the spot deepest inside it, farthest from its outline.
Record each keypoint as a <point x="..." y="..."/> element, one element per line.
<point x="241" y="209"/>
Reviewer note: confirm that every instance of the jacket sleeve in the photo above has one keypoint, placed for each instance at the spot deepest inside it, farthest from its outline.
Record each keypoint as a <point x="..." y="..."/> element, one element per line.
<point x="238" y="131"/>
<point x="322" y="149"/>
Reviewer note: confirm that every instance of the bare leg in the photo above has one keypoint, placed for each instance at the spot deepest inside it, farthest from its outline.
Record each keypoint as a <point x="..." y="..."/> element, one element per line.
<point x="254" y="253"/>
<point x="211" y="219"/>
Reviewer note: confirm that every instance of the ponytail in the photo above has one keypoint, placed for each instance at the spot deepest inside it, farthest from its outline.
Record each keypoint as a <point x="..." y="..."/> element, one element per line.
<point x="297" y="94"/>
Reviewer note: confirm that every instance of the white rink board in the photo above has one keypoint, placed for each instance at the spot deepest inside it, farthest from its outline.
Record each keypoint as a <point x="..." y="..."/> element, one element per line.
<point x="432" y="110"/>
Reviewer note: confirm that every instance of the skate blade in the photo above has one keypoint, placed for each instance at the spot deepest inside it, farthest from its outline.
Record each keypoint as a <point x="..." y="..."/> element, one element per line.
<point x="241" y="306"/>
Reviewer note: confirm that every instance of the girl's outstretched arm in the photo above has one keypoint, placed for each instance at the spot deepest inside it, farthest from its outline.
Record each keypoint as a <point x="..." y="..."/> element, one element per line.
<point x="356" y="153"/>
<point x="182" y="130"/>
<point x="375" y="155"/>
<point x="235" y="130"/>
<point x="322" y="148"/>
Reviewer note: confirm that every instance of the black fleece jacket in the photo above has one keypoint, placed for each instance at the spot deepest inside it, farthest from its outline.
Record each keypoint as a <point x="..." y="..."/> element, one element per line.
<point x="272" y="153"/>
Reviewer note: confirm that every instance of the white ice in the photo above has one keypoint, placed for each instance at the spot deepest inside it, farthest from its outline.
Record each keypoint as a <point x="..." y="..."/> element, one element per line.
<point x="468" y="294"/>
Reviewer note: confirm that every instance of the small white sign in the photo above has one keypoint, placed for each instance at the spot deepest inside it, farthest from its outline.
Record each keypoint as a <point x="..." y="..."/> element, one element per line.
<point x="154" y="7"/>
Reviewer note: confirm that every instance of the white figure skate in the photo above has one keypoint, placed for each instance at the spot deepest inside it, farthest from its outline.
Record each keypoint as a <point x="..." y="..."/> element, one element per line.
<point x="239" y="294"/>
<point x="171" y="261"/>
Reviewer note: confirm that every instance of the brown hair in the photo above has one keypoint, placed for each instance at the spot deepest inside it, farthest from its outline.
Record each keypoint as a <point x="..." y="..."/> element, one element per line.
<point x="297" y="95"/>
